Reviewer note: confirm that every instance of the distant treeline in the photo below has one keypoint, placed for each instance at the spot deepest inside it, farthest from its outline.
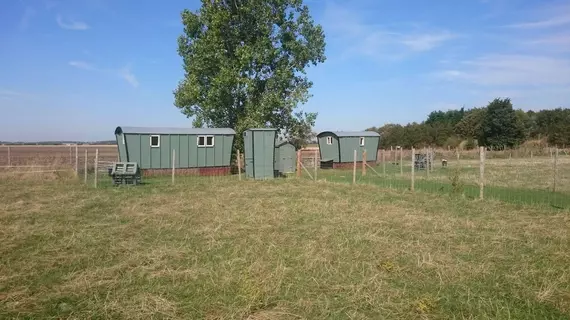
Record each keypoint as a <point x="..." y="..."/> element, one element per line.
<point x="498" y="125"/>
<point x="51" y="143"/>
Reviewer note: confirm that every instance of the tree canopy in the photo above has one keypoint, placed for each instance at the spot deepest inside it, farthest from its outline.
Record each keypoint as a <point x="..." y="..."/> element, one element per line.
<point x="500" y="127"/>
<point x="496" y="125"/>
<point x="244" y="63"/>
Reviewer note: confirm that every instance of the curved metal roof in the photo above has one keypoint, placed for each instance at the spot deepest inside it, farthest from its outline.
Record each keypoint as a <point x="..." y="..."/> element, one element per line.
<point x="159" y="130"/>
<point x="340" y="134"/>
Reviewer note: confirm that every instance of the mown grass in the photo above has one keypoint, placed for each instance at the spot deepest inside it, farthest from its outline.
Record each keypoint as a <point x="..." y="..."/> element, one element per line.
<point x="284" y="249"/>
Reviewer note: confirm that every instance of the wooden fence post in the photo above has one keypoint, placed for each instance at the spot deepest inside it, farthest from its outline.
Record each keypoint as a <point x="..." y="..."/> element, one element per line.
<point x="401" y="161"/>
<point x="85" y="172"/>
<point x="9" y="157"/>
<point x="299" y="164"/>
<point x="392" y="155"/>
<point x="70" y="157"/>
<point x="427" y="153"/>
<point x="481" y="172"/>
<point x="76" y="162"/>
<point x="173" y="164"/>
<point x="96" y="166"/>
<point x="364" y="162"/>
<point x="384" y="161"/>
<point x="239" y="164"/>
<point x="315" y="163"/>
<point x="555" y="169"/>
<point x="412" y="185"/>
<point x="354" y="169"/>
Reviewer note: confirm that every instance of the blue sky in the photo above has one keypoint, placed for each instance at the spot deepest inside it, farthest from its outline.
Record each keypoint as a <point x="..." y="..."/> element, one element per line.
<point x="76" y="69"/>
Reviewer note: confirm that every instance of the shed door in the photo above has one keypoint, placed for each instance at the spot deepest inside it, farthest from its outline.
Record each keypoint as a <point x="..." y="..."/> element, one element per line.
<point x="248" y="153"/>
<point x="287" y="158"/>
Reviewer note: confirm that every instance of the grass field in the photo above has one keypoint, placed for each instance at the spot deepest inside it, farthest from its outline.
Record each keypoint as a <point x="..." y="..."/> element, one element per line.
<point x="525" y="181"/>
<point x="286" y="249"/>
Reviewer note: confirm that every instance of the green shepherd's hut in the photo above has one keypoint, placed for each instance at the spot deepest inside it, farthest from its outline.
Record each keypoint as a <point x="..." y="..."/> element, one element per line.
<point x="199" y="151"/>
<point x="337" y="148"/>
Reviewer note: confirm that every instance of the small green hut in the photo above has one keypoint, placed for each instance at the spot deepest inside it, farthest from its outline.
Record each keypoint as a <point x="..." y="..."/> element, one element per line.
<point x="259" y="147"/>
<point x="285" y="157"/>
<point x="337" y="148"/>
<point x="202" y="151"/>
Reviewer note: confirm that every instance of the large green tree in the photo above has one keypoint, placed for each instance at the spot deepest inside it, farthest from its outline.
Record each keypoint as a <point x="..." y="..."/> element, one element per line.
<point x="501" y="127"/>
<point x="470" y="126"/>
<point x="244" y="63"/>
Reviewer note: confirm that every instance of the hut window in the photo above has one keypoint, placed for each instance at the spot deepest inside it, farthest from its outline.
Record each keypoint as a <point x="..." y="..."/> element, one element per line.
<point x="329" y="140"/>
<point x="205" y="141"/>
<point x="361" y="141"/>
<point x="155" y="141"/>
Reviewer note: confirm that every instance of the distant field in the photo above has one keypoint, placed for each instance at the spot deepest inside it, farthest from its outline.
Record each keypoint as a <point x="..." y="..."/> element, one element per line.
<point x="45" y="154"/>
<point x="285" y="249"/>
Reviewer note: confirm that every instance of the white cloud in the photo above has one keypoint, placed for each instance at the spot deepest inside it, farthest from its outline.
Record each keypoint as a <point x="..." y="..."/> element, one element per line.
<point x="124" y="73"/>
<point x="81" y="65"/>
<point x="552" y="22"/>
<point x="546" y="16"/>
<point x="426" y="42"/>
<point x="357" y="37"/>
<point x="128" y="76"/>
<point x="71" y="24"/>
<point x="556" y="42"/>
<point x="511" y="70"/>
<point x="6" y="94"/>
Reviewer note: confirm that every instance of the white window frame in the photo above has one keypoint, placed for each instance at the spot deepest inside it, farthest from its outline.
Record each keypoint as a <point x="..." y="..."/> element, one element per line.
<point x="152" y="136"/>
<point x="329" y="140"/>
<point x="205" y="145"/>
<point x="361" y="141"/>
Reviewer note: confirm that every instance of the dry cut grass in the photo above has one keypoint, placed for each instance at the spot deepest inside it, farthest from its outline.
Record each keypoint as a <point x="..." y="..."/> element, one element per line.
<point x="275" y="250"/>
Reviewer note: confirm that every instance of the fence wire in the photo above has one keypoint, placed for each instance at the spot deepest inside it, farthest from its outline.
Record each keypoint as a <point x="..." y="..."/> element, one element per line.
<point x="522" y="176"/>
<point x="542" y="178"/>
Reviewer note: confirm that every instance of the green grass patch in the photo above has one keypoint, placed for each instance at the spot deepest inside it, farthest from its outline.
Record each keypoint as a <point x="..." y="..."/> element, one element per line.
<point x="283" y="249"/>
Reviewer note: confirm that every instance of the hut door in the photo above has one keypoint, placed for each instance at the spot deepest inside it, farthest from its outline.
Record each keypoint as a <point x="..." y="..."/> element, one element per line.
<point x="248" y="153"/>
<point x="287" y="158"/>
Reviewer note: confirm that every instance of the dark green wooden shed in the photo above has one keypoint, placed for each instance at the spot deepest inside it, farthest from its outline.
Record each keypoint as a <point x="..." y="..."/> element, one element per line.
<point x="285" y="157"/>
<point x="203" y="151"/>
<point x="337" y="148"/>
<point x="259" y="153"/>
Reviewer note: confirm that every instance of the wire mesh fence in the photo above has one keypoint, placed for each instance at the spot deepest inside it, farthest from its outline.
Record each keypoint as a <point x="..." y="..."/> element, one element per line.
<point x="525" y="176"/>
<point x="515" y="177"/>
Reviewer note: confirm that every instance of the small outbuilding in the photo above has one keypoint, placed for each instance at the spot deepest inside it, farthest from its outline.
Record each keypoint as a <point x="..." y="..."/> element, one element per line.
<point x="200" y="151"/>
<point x="285" y="158"/>
<point x="337" y="148"/>
<point x="259" y="153"/>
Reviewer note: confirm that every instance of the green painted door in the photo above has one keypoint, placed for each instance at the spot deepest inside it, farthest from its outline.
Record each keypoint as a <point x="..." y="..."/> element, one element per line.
<point x="248" y="153"/>
<point x="287" y="158"/>
<point x="259" y="153"/>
